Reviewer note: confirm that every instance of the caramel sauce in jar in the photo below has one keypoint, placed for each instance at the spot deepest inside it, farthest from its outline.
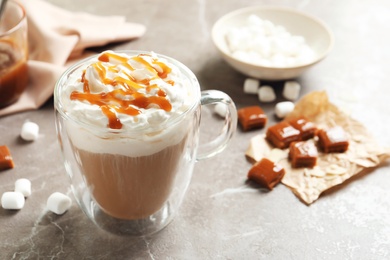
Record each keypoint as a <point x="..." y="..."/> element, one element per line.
<point x="13" y="73"/>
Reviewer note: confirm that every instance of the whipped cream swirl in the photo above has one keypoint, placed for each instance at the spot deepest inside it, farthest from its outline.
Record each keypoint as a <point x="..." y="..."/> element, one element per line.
<point x="118" y="91"/>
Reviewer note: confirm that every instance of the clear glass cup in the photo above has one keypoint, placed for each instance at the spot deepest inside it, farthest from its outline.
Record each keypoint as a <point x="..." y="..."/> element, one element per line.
<point x="140" y="194"/>
<point x="13" y="53"/>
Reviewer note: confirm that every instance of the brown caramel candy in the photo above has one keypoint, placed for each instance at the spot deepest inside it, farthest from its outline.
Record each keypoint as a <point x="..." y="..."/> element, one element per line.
<point x="333" y="140"/>
<point x="307" y="128"/>
<point x="266" y="173"/>
<point x="282" y="135"/>
<point x="6" y="161"/>
<point x="303" y="154"/>
<point x="251" y="117"/>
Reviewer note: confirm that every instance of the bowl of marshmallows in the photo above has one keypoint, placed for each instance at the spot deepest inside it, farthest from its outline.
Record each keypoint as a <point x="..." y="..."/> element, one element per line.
<point x="271" y="43"/>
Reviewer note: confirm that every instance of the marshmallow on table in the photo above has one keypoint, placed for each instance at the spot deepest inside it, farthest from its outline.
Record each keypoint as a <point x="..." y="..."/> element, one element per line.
<point x="282" y="109"/>
<point x="58" y="203"/>
<point x="291" y="90"/>
<point x="12" y="200"/>
<point x="23" y="186"/>
<point x="251" y="86"/>
<point x="30" y="131"/>
<point x="220" y="109"/>
<point x="266" y="94"/>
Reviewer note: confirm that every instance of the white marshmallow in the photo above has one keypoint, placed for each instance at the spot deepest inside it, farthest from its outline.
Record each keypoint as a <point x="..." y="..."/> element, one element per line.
<point x="251" y="86"/>
<point x="12" y="200"/>
<point x="264" y="43"/>
<point x="30" y="131"/>
<point x="220" y="109"/>
<point x="291" y="90"/>
<point x="23" y="186"/>
<point x="282" y="109"/>
<point x="266" y="94"/>
<point x="58" y="203"/>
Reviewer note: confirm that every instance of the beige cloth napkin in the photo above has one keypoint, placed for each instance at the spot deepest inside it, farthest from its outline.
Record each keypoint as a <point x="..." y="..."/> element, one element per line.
<point x="58" y="37"/>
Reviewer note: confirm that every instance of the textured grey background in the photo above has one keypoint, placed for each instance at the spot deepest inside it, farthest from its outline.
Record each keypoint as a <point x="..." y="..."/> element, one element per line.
<point x="222" y="217"/>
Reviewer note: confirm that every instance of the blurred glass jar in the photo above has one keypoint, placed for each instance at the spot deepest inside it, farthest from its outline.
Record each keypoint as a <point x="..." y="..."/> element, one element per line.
<point x="13" y="53"/>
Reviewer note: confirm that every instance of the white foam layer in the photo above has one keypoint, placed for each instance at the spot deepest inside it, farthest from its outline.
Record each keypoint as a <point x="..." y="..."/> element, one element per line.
<point x="181" y="95"/>
<point x="133" y="146"/>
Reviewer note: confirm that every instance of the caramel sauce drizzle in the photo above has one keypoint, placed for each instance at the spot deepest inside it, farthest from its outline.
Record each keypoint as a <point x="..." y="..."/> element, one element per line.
<point x="125" y="99"/>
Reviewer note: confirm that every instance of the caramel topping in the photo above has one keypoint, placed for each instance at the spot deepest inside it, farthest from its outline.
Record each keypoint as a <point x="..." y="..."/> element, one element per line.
<point x="126" y="97"/>
<point x="105" y="57"/>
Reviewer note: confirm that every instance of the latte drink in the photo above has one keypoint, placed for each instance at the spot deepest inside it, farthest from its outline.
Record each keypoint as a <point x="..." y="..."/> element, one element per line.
<point x="128" y="137"/>
<point x="128" y="126"/>
<point x="129" y="187"/>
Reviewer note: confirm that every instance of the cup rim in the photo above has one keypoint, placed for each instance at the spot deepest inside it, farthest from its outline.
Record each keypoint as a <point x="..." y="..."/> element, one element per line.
<point x="19" y="23"/>
<point x="58" y="105"/>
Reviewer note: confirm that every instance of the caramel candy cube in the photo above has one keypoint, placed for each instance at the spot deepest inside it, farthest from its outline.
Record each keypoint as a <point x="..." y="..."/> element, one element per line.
<point x="6" y="161"/>
<point x="303" y="154"/>
<point x="252" y="117"/>
<point x="307" y="128"/>
<point x="333" y="140"/>
<point x="281" y="135"/>
<point x="266" y="173"/>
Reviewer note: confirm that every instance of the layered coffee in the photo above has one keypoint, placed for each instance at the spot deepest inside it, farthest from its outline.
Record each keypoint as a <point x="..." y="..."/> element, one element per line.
<point x="129" y="187"/>
<point x="128" y="133"/>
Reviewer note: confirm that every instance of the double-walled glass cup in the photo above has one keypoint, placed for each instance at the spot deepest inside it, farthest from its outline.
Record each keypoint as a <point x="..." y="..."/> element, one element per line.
<point x="13" y="53"/>
<point x="132" y="182"/>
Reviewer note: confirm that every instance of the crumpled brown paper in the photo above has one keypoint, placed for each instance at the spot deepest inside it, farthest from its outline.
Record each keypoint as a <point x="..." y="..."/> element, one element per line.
<point x="331" y="169"/>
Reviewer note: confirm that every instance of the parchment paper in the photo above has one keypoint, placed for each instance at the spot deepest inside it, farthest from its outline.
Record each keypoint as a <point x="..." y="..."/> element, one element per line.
<point x="331" y="169"/>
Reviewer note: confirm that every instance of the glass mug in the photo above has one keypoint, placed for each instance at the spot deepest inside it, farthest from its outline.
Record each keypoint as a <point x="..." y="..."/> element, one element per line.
<point x="137" y="194"/>
<point x="13" y="53"/>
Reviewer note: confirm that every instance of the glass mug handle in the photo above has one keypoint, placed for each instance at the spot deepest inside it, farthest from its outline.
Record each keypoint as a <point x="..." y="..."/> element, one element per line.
<point x="209" y="97"/>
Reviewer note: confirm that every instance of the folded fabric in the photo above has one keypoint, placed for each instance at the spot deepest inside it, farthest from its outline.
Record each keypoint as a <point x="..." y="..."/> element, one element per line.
<point x="58" y="37"/>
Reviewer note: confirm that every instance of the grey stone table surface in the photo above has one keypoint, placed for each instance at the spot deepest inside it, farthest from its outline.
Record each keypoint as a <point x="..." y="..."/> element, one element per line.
<point x="222" y="217"/>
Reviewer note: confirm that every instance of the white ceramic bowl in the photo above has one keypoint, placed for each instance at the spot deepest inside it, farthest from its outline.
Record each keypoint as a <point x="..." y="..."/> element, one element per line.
<point x="316" y="34"/>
